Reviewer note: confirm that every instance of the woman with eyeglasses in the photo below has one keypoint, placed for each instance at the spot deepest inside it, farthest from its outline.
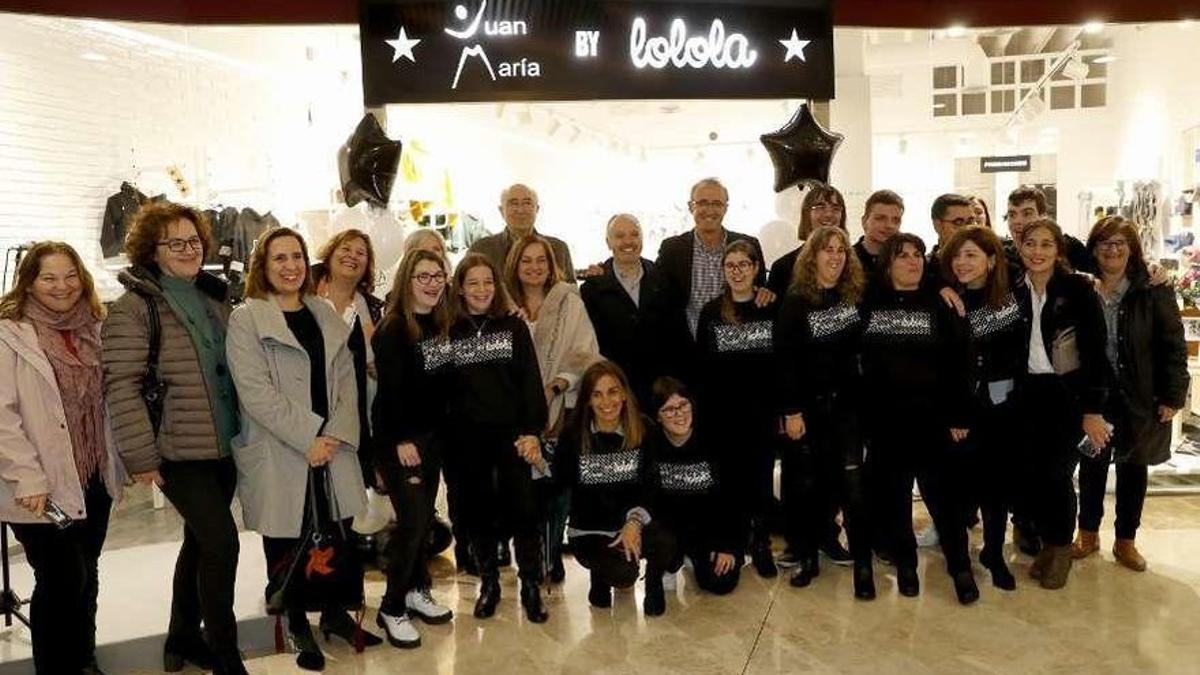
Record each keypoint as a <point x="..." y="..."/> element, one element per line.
<point x="823" y="206"/>
<point x="1061" y="394"/>
<point x="564" y="341"/>
<point x="182" y="444"/>
<point x="689" y="508"/>
<point x="817" y="343"/>
<point x="602" y="459"/>
<point x="1148" y="359"/>
<point x="735" y="339"/>
<point x="298" y="472"/>
<point x="915" y="364"/>
<point x="499" y="411"/>
<point x="413" y="360"/>
<point x="973" y="262"/>
<point x="57" y="459"/>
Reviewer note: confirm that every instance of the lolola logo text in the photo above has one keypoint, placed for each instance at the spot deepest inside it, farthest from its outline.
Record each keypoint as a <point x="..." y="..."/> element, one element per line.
<point x="716" y="49"/>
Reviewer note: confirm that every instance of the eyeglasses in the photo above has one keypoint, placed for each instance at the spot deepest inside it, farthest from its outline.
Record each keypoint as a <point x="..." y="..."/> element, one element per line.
<point x="960" y="222"/>
<point x="832" y="208"/>
<point x="425" y="278"/>
<point x="673" y="411"/>
<point x="1114" y="244"/>
<point x="181" y="245"/>
<point x="710" y="204"/>
<point x="741" y="266"/>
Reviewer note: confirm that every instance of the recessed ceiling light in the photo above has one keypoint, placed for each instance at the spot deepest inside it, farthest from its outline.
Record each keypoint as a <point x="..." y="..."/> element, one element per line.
<point x="1107" y="58"/>
<point x="1093" y="27"/>
<point x="956" y="31"/>
<point x="93" y="56"/>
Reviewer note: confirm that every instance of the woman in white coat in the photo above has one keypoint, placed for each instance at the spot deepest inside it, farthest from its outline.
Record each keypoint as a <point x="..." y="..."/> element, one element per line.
<point x="59" y="473"/>
<point x="289" y="358"/>
<point x="564" y="340"/>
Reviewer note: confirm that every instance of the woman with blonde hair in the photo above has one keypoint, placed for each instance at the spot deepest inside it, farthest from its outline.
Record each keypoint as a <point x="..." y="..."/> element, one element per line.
<point x="59" y="474"/>
<point x="817" y="343"/>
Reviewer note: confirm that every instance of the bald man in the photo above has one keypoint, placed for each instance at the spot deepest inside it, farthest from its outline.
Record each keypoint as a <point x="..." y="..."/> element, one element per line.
<point x="630" y="308"/>
<point x="519" y="207"/>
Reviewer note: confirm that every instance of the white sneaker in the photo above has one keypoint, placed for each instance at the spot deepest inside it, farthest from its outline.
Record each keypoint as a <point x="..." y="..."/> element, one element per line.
<point x="377" y="516"/>
<point x="669" y="581"/>
<point x="400" y="630"/>
<point x="927" y="537"/>
<point x="420" y="603"/>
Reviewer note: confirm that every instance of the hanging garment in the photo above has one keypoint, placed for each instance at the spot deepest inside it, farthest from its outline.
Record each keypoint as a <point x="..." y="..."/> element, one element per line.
<point x="119" y="212"/>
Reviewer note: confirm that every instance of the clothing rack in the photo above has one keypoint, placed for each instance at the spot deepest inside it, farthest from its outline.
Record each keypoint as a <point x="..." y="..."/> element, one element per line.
<point x="10" y="602"/>
<point x="12" y="256"/>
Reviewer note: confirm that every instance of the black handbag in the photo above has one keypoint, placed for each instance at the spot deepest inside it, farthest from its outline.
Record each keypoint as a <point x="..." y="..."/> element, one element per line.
<point x="324" y="566"/>
<point x="153" y="389"/>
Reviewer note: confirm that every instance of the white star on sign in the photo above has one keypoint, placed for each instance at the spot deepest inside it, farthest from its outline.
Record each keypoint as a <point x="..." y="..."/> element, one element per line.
<point x="795" y="47"/>
<point x="402" y="46"/>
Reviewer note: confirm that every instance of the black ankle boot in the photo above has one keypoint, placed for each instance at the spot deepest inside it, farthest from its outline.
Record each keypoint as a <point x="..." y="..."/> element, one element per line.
<point x="864" y="581"/>
<point x="531" y="602"/>
<point x="763" y="561"/>
<point x="1002" y="577"/>
<point x="907" y="581"/>
<point x="308" y="654"/>
<point x="489" y="596"/>
<point x="965" y="588"/>
<point x="177" y="652"/>
<point x="655" y="602"/>
<point x="600" y="595"/>
<point x="808" y="570"/>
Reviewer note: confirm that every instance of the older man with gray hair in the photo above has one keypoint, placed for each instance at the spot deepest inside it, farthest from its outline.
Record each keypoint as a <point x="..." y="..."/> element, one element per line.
<point x="519" y="207"/>
<point x="628" y="302"/>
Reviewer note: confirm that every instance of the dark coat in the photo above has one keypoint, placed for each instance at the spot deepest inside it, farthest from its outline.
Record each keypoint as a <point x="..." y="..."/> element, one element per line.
<point x="675" y="262"/>
<point x="1072" y="308"/>
<point x="1152" y="358"/>
<point x="780" y="277"/>
<point x="644" y="339"/>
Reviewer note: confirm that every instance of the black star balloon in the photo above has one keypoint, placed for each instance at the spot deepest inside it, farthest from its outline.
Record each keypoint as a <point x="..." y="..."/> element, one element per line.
<point x="801" y="151"/>
<point x="367" y="164"/>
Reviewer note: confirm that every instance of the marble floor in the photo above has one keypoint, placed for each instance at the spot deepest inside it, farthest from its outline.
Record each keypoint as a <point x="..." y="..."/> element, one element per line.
<point x="1107" y="620"/>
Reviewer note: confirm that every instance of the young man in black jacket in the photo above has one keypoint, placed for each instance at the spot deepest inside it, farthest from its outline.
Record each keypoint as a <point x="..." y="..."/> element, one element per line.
<point x="637" y="326"/>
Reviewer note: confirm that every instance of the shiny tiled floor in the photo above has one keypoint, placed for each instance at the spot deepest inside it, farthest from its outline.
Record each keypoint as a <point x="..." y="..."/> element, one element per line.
<point x="1108" y="620"/>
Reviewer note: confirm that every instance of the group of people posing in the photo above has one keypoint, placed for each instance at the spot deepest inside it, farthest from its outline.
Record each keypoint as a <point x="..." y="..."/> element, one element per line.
<point x="636" y="416"/>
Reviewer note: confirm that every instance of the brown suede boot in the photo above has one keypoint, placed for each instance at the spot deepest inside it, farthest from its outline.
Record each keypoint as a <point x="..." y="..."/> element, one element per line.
<point x="1127" y="554"/>
<point x="1057" y="569"/>
<point x="1038" y="568"/>
<point x="1086" y="543"/>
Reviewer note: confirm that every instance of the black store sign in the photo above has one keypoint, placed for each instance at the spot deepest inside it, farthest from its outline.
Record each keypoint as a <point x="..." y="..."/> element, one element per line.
<point x="423" y="51"/>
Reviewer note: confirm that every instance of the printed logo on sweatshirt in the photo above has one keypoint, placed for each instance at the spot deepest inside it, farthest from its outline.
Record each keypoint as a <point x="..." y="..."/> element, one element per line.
<point x="986" y="321"/>
<point x="826" y="323"/>
<point x="900" y="325"/>
<point x="435" y="353"/>
<point x="692" y="477"/>
<point x="610" y="467"/>
<point x="754" y="336"/>
<point x="488" y="348"/>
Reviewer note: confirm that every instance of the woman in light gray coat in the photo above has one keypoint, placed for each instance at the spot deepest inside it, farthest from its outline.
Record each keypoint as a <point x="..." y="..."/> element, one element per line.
<point x="292" y="366"/>
<point x="57" y="459"/>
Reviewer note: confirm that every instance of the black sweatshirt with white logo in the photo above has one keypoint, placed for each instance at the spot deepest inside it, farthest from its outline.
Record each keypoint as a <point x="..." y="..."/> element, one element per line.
<point x="497" y="384"/>
<point x="609" y="483"/>
<point x="410" y="405"/>
<point x="997" y="338"/>
<point x="688" y="498"/>
<point x="737" y="361"/>
<point x="817" y="347"/>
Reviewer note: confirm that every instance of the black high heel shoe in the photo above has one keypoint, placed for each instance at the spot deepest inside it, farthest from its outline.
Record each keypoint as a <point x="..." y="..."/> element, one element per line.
<point x="965" y="588"/>
<point x="489" y="597"/>
<point x="308" y="653"/>
<point x="340" y="624"/>
<point x="808" y="570"/>
<point x="864" y="581"/>
<point x="907" y="580"/>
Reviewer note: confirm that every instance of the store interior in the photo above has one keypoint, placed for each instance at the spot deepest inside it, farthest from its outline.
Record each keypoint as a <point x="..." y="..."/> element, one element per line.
<point x="252" y="117"/>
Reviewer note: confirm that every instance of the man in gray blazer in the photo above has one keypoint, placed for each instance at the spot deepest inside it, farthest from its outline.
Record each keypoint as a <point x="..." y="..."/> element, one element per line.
<point x="519" y="208"/>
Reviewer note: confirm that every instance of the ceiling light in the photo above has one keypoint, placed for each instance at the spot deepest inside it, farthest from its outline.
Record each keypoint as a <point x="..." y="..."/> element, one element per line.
<point x="1093" y="27"/>
<point x="1107" y="58"/>
<point x="956" y="31"/>
<point x="93" y="56"/>
<point x="1075" y="69"/>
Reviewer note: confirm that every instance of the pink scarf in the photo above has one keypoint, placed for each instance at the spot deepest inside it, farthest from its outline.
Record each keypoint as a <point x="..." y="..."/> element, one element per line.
<point x="71" y="342"/>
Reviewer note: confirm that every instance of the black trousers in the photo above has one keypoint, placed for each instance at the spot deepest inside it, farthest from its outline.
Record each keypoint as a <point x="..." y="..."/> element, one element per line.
<point x="746" y="455"/>
<point x="824" y="467"/>
<point x="1131" y="493"/>
<point x="206" y="568"/>
<point x="912" y="446"/>
<point x="681" y="541"/>
<point x="992" y="462"/>
<point x="413" y="491"/>
<point x="62" y="611"/>
<point x="608" y="563"/>
<point x="497" y="499"/>
<point x="1051" y="427"/>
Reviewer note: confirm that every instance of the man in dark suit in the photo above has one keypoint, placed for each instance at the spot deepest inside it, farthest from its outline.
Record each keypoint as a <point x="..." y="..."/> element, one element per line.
<point x="519" y="207"/>
<point x="630" y="308"/>
<point x="691" y="261"/>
